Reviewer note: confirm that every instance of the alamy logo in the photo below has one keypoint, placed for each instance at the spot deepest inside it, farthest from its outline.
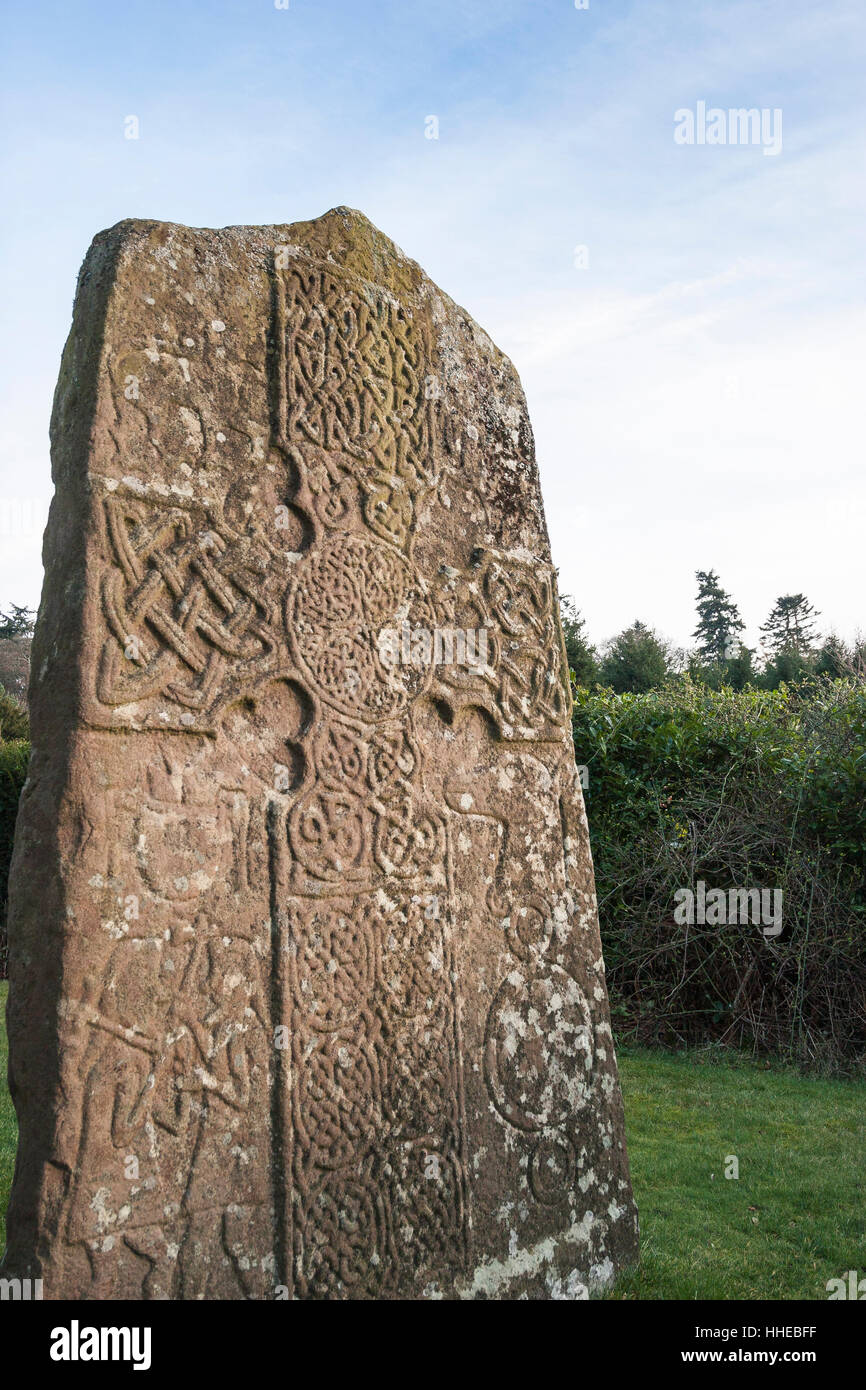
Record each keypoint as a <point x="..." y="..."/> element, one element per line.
<point x="441" y="646"/>
<point x="76" y="1343"/>
<point x="739" y="906"/>
<point x="736" y="126"/>
<point x="849" y="1286"/>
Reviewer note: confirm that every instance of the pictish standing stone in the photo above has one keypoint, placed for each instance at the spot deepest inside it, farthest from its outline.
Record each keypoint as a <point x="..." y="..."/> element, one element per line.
<point x="307" y="997"/>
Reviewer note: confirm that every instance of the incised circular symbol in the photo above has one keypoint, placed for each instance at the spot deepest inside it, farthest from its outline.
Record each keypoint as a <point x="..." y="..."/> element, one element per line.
<point x="538" y="1051"/>
<point x="530" y="928"/>
<point x="551" y="1168"/>
<point x="346" y="593"/>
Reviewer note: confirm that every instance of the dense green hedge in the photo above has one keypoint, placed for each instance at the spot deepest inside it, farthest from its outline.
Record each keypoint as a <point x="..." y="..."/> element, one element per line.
<point x="14" y="757"/>
<point x="14" y="722"/>
<point x="747" y="789"/>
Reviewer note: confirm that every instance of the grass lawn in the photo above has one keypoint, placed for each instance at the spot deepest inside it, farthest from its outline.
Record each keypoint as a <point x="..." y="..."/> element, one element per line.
<point x="796" y="1216"/>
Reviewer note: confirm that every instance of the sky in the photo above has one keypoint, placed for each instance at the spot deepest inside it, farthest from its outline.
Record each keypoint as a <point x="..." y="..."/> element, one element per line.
<point x="688" y="319"/>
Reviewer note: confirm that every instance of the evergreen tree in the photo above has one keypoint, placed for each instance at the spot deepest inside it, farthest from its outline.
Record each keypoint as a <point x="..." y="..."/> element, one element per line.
<point x="637" y="659"/>
<point x="791" y="626"/>
<point x="719" y="621"/>
<point x="834" y="659"/>
<point x="788" y="667"/>
<point x="18" y="622"/>
<point x="582" y="659"/>
<point x="738" y="671"/>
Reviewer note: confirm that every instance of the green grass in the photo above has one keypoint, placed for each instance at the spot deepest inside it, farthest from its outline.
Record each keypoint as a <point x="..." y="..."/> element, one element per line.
<point x="796" y="1216"/>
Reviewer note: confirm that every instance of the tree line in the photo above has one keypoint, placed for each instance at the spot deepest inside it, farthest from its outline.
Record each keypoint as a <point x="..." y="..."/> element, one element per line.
<point x="639" y="658"/>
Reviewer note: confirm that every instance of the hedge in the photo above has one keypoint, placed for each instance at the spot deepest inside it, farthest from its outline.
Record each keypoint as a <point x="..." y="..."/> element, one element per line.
<point x="14" y="757"/>
<point x="738" y="790"/>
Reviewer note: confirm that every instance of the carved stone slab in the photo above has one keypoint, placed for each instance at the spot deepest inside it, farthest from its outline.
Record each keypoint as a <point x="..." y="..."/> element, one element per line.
<point x="307" y="993"/>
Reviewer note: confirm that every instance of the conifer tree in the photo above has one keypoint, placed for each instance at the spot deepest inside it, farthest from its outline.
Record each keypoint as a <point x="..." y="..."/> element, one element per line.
<point x="582" y="659"/>
<point x="638" y="659"/>
<point x="719" y="621"/>
<point x="18" y="622"/>
<point x="791" y="625"/>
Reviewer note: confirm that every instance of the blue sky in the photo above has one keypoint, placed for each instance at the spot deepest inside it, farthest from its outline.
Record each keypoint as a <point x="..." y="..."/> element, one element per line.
<point x="696" y="388"/>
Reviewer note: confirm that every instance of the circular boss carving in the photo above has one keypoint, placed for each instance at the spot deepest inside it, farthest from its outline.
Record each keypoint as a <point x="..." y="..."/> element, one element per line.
<point x="346" y="592"/>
